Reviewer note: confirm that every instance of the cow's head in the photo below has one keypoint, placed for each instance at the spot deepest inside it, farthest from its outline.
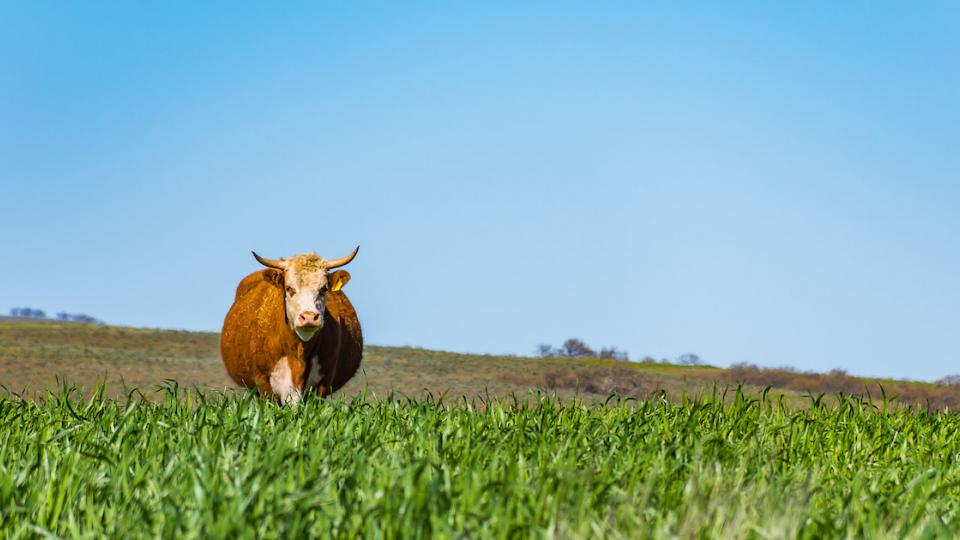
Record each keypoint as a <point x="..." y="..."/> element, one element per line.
<point x="306" y="280"/>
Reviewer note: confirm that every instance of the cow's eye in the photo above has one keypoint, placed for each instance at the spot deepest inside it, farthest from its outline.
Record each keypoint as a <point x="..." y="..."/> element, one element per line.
<point x="291" y="291"/>
<point x="323" y="290"/>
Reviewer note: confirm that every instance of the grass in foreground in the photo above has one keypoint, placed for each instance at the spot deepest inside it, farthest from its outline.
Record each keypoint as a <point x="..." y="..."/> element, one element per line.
<point x="197" y="466"/>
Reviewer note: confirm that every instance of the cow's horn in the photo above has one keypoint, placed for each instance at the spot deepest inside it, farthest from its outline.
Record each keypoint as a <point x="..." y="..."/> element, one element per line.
<point x="337" y="263"/>
<point x="270" y="263"/>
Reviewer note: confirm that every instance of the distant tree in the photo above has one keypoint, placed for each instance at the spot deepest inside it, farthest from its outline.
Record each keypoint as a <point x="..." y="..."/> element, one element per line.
<point x="31" y="313"/>
<point x="577" y="348"/>
<point x="689" y="359"/>
<point x="574" y="348"/>
<point x="613" y="353"/>
<point x="950" y="380"/>
<point x="28" y="313"/>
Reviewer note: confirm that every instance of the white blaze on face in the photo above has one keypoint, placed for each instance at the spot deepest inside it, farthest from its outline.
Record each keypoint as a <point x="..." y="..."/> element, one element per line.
<point x="305" y="291"/>
<point x="281" y="381"/>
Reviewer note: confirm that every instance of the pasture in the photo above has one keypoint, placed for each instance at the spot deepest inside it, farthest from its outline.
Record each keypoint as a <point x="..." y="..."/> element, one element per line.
<point x="36" y="356"/>
<point x="206" y="465"/>
<point x="435" y="444"/>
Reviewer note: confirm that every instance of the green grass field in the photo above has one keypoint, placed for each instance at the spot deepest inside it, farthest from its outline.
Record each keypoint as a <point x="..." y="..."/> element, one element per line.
<point x="515" y="447"/>
<point x="237" y="466"/>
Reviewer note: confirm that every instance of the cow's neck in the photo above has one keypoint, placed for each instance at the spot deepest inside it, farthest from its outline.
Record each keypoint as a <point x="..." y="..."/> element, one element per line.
<point x="292" y="345"/>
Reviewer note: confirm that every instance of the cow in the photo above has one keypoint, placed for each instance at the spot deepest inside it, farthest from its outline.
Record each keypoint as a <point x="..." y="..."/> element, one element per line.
<point x="292" y="330"/>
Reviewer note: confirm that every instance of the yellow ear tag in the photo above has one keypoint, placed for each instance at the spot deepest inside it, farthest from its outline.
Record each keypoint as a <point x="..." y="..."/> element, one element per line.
<point x="336" y="286"/>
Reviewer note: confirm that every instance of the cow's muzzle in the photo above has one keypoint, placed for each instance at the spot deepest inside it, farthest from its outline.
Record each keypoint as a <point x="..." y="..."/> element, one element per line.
<point x="308" y="319"/>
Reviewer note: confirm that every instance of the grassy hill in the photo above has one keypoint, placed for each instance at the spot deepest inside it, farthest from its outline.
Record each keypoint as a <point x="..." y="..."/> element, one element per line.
<point x="36" y="355"/>
<point x="190" y="466"/>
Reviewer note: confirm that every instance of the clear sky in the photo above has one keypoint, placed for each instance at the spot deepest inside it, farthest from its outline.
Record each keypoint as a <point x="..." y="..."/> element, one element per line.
<point x="757" y="182"/>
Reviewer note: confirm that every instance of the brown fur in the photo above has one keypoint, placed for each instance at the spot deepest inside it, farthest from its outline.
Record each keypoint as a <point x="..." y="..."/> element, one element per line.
<point x="256" y="335"/>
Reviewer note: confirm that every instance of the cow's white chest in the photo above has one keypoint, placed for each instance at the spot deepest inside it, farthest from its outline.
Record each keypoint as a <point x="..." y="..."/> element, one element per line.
<point x="314" y="376"/>
<point x="281" y="381"/>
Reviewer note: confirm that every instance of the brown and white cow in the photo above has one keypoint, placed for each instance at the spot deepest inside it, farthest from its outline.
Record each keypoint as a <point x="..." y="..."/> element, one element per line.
<point x="291" y="329"/>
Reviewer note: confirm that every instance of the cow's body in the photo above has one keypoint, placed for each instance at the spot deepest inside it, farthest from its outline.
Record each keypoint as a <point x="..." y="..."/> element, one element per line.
<point x="260" y="350"/>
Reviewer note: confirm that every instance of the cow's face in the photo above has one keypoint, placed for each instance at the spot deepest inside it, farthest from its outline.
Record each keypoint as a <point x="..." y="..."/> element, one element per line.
<point x="305" y="297"/>
<point x="306" y="283"/>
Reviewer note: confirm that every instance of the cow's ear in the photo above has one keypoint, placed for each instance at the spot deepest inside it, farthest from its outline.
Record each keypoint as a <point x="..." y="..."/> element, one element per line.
<point x="275" y="277"/>
<point x="338" y="279"/>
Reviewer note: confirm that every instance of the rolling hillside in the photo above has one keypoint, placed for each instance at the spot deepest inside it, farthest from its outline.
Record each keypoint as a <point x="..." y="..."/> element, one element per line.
<point x="35" y="356"/>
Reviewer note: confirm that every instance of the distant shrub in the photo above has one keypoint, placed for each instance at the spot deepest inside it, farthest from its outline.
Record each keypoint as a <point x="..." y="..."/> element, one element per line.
<point x="574" y="348"/>
<point x="79" y="317"/>
<point x="689" y="359"/>
<point x="943" y="395"/>
<point x="613" y="353"/>
<point x="84" y="318"/>
<point x="834" y="381"/>
<point x="28" y="313"/>
<point x="577" y="348"/>
<point x="602" y="380"/>
<point x="950" y="380"/>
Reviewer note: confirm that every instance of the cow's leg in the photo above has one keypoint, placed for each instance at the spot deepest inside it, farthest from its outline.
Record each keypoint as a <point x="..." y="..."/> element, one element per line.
<point x="282" y="381"/>
<point x="314" y="375"/>
<point x="316" y="378"/>
<point x="262" y="385"/>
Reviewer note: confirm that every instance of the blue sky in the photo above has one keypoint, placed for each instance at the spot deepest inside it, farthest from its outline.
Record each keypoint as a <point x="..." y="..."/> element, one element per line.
<point x="748" y="182"/>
